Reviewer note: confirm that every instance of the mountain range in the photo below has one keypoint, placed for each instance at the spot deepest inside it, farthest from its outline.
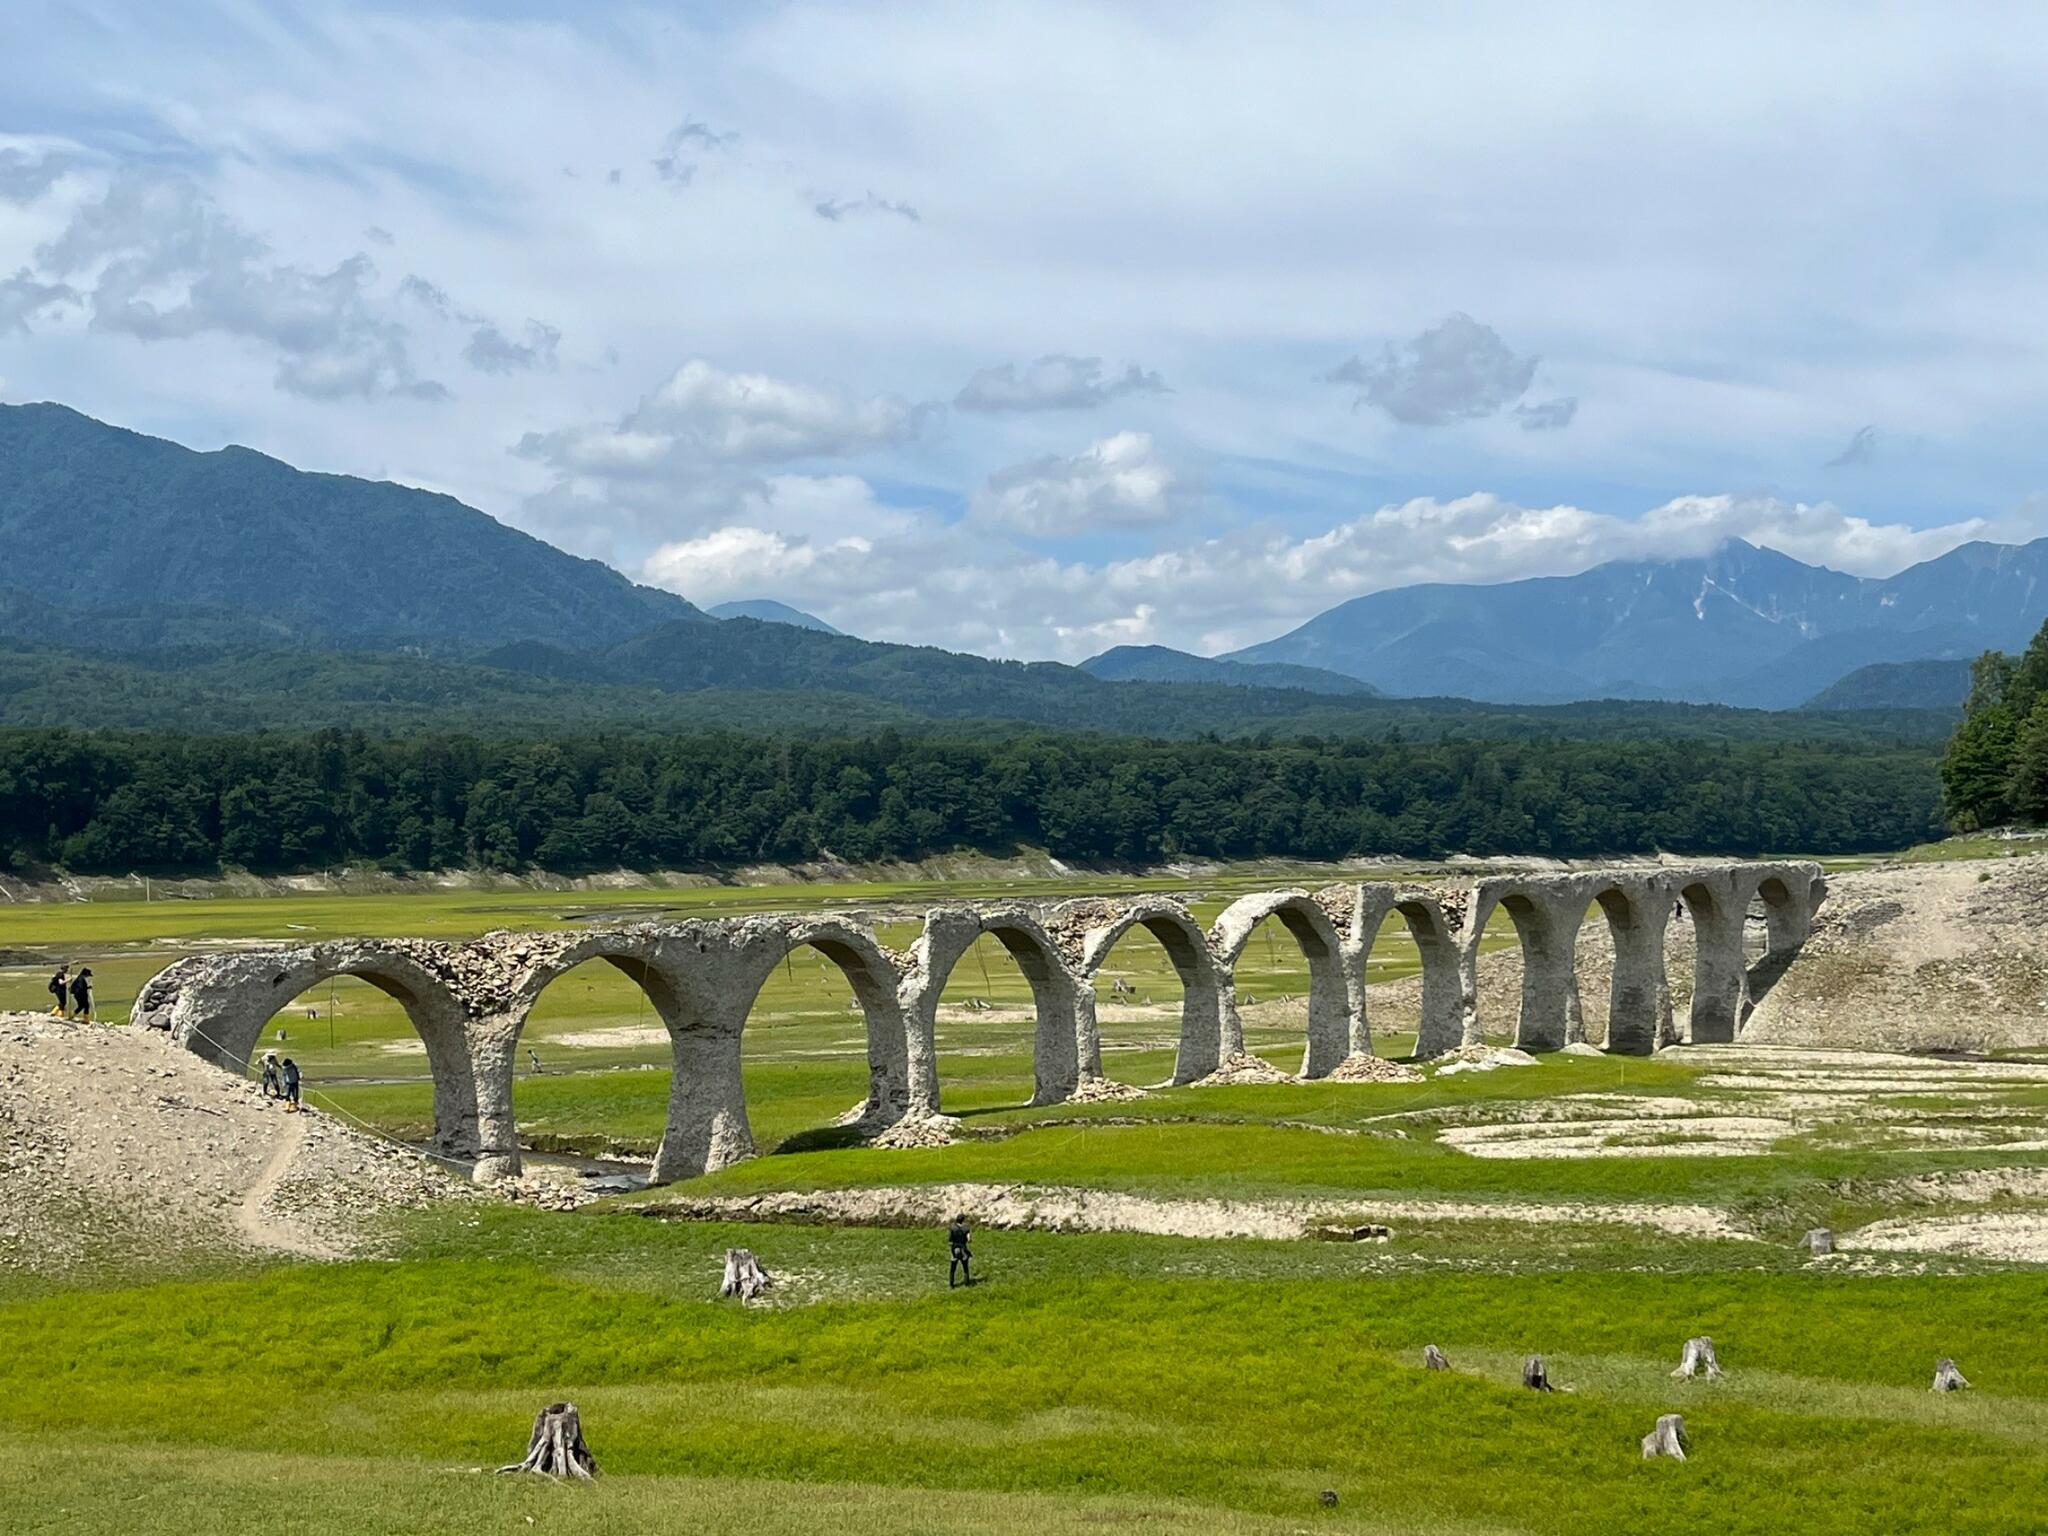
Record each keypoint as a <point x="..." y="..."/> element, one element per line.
<point x="1742" y="625"/>
<point x="145" y="582"/>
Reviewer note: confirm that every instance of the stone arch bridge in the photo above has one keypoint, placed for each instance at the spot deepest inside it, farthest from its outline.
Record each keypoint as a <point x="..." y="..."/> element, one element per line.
<point x="470" y="1001"/>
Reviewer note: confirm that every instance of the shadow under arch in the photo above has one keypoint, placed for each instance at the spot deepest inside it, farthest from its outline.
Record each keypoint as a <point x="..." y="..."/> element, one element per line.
<point x="1331" y="1035"/>
<point x="1789" y="898"/>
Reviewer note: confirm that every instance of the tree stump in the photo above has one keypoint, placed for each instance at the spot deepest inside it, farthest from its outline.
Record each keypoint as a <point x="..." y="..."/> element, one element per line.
<point x="1946" y="1377"/>
<point x="744" y="1276"/>
<point x="1818" y="1241"/>
<point x="1434" y="1359"/>
<point x="1699" y="1355"/>
<point x="557" y="1449"/>
<point x="1667" y="1439"/>
<point x="1534" y="1376"/>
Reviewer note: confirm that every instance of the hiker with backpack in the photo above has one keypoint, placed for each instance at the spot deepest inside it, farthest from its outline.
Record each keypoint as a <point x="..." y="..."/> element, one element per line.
<point x="81" y="994"/>
<point x="291" y="1088"/>
<point x="60" y="989"/>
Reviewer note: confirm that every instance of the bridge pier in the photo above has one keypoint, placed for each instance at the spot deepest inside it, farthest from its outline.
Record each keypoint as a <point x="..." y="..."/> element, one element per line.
<point x="470" y="1002"/>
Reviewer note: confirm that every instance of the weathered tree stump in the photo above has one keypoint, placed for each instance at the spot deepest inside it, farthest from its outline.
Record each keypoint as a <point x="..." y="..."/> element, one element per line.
<point x="1534" y="1375"/>
<point x="557" y="1449"/>
<point x="744" y="1276"/>
<point x="1946" y="1377"/>
<point x="1699" y="1355"/>
<point x="1434" y="1359"/>
<point x="1818" y="1241"/>
<point x="1667" y="1439"/>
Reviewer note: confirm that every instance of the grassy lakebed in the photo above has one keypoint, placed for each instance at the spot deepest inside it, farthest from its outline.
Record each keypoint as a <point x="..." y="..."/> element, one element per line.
<point x="1598" y="1211"/>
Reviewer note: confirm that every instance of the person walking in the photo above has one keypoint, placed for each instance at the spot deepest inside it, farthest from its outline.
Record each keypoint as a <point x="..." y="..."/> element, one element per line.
<point x="957" y="1269"/>
<point x="81" y="993"/>
<point x="60" y="989"/>
<point x="291" y="1086"/>
<point x="271" y="1086"/>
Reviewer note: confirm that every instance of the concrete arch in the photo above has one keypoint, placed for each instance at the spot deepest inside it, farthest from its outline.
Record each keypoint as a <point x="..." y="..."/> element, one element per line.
<point x="1055" y="990"/>
<point x="1439" y="1027"/>
<point x="875" y="976"/>
<point x="218" y="1006"/>
<point x="513" y="970"/>
<point x="1546" y="913"/>
<point x="1187" y="950"/>
<point x="1790" y="895"/>
<point x="1335" y="1030"/>
<point x="1638" y="911"/>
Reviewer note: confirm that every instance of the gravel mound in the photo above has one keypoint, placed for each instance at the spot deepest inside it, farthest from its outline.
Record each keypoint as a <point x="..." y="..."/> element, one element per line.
<point x="1372" y="1069"/>
<point x="116" y="1147"/>
<point x="1101" y="1090"/>
<point x="930" y="1131"/>
<point x="1243" y="1067"/>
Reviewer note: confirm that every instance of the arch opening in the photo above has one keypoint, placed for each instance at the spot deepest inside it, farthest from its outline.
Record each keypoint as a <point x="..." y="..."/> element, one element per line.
<point x="1275" y="991"/>
<point x="996" y="1024"/>
<point x="1145" y="979"/>
<point x="353" y="1025"/>
<point x="823" y="1056"/>
<point x="1411" y="980"/>
<point x="1772" y="938"/>
<point x="595" y="1032"/>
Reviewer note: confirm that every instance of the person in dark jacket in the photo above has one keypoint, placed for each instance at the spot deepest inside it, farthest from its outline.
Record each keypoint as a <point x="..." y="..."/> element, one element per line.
<point x="956" y="1239"/>
<point x="81" y="993"/>
<point x="60" y="988"/>
<point x="291" y="1086"/>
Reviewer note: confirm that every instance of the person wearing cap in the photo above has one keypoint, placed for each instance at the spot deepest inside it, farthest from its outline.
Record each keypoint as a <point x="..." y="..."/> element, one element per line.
<point x="271" y="1086"/>
<point x="60" y="989"/>
<point x="81" y="993"/>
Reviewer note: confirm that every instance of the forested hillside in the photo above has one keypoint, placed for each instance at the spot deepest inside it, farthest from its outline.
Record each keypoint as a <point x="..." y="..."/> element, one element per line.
<point x="1995" y="771"/>
<point x="106" y="522"/>
<point x="113" y="802"/>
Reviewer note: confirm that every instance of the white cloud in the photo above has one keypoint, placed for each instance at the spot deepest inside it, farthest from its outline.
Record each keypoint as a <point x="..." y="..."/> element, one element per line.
<point x="1055" y="382"/>
<point x="159" y="260"/>
<point x="704" y="416"/>
<point x="1119" y="482"/>
<point x="1455" y="370"/>
<point x="888" y="574"/>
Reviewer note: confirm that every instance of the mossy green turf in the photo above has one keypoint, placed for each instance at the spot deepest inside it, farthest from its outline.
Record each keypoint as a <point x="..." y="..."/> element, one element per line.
<point x="1225" y="1377"/>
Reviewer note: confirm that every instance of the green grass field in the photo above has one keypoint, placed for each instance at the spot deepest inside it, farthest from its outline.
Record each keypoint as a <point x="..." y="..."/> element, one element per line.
<point x="1090" y="1380"/>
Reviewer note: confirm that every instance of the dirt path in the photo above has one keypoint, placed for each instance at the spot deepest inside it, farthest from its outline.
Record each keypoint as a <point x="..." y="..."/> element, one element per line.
<point x="1052" y="1208"/>
<point x="263" y="1229"/>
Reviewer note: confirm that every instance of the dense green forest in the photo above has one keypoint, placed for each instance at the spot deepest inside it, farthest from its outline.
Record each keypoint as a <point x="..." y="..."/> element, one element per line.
<point x="210" y="690"/>
<point x="106" y="801"/>
<point x="1995" y="771"/>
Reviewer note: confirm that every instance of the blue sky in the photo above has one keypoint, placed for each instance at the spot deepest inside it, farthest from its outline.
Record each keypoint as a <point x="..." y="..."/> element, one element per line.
<point x="1031" y="329"/>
